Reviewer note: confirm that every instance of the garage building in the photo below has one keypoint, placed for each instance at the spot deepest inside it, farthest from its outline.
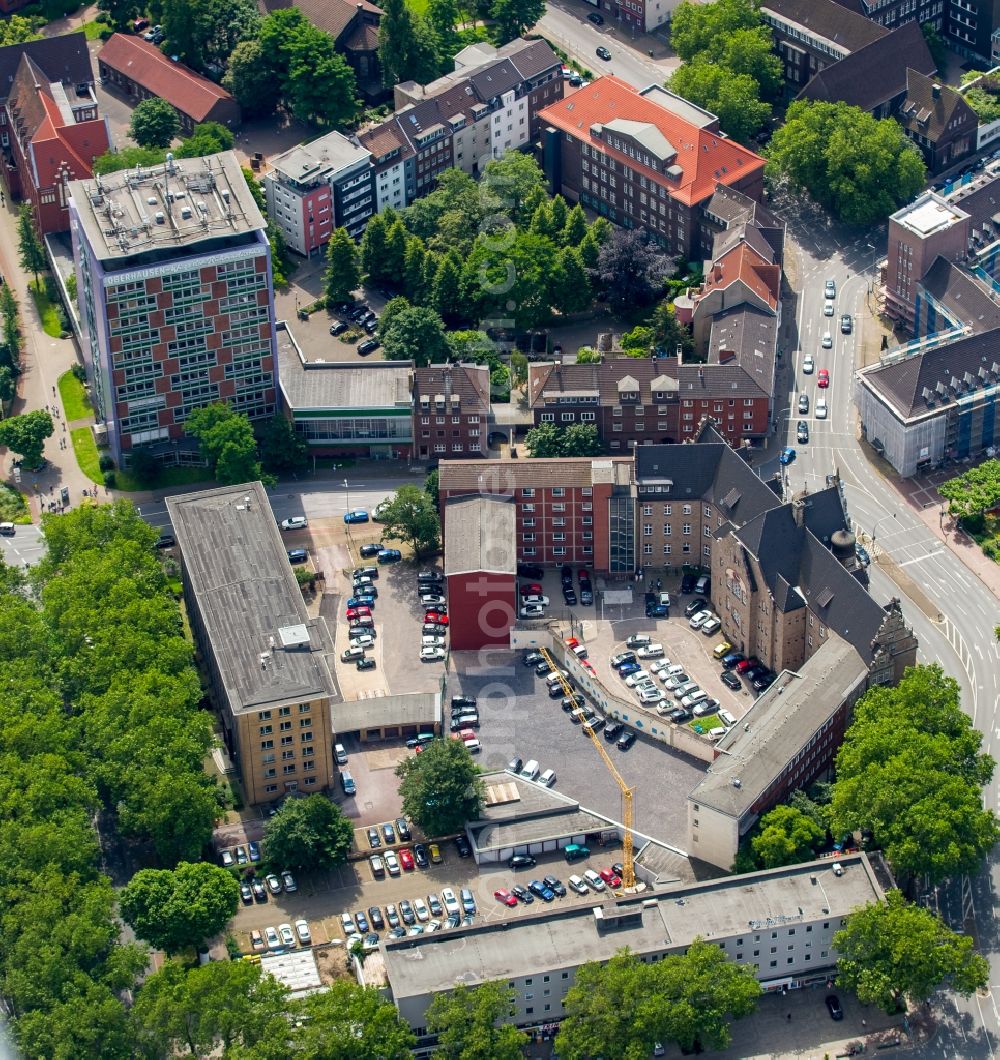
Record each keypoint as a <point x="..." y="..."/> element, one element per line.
<point x="480" y="565"/>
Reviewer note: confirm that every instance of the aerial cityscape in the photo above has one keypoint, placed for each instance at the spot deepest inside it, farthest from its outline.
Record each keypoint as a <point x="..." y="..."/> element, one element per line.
<point x="499" y="528"/>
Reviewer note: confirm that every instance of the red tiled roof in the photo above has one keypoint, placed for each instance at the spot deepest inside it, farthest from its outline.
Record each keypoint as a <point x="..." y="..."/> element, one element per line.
<point x="706" y="158"/>
<point x="145" y="64"/>
<point x="742" y="263"/>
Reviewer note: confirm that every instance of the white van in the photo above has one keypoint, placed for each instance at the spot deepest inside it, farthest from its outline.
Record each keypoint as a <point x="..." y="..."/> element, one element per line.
<point x="577" y="884"/>
<point x="701" y="585"/>
<point x="726" y="718"/>
<point x="548" y="778"/>
<point x="594" y="880"/>
<point x="530" y="771"/>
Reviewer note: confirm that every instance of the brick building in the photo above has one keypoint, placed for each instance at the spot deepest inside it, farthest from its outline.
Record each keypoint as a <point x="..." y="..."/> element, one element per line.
<point x="267" y="661"/>
<point x="50" y="127"/>
<point x="644" y="159"/>
<point x="141" y="71"/>
<point x="451" y="410"/>
<point x="173" y="271"/>
<point x="567" y="510"/>
<point x="316" y="187"/>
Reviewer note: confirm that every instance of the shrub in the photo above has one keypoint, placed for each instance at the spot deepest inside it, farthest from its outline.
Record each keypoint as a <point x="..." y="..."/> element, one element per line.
<point x="79" y="372"/>
<point x="109" y="479"/>
<point x="106" y="463"/>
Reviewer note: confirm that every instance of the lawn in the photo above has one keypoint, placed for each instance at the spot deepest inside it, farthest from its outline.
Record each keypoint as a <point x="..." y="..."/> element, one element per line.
<point x="47" y="310"/>
<point x="13" y="506"/>
<point x="76" y="404"/>
<point x="89" y="460"/>
<point x="709" y="723"/>
<point x="87" y="456"/>
<point x="91" y="30"/>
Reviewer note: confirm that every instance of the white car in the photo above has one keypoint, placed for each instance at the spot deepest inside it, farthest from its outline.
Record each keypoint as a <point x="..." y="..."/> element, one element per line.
<point x="432" y="640"/>
<point x="699" y="618"/>
<point x="828" y="309"/>
<point x="420" y="908"/>
<point x="821" y="408"/>
<point x="296" y="522"/>
<point x="287" y="935"/>
<point x="650" y="695"/>
<point x="391" y="862"/>
<point x="451" y="906"/>
<point x="432" y="653"/>
<point x="808" y="364"/>
<point x="827" y="342"/>
<point x="540" y="601"/>
<point x="272" y="939"/>
<point x="532" y="611"/>
<point x="659" y="666"/>
<point x="713" y="625"/>
<point x="431" y="598"/>
<point x="303" y="932"/>
<point x="672" y="681"/>
<point x="637" y="678"/>
<point x="347" y="923"/>
<point x="361" y="640"/>
<point x="651" y="651"/>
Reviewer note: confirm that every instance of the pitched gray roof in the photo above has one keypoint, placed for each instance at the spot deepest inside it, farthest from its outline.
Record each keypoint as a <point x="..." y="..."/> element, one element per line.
<point x="925" y="115"/>
<point x="968" y="300"/>
<point x="63" y="58"/>
<point x="530" y="57"/>
<point x="479" y="535"/>
<point x="752" y="335"/>
<point x="828" y="20"/>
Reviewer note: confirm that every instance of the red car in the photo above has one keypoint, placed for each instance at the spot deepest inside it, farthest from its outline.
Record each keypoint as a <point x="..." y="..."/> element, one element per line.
<point x="588" y="665"/>
<point x="468" y="734"/>
<point x="358" y="612"/>
<point x="436" y="616"/>
<point x="405" y="859"/>
<point x="823" y="378"/>
<point x="506" y="897"/>
<point x="572" y="642"/>
<point x="532" y="589"/>
<point x="746" y="664"/>
<point x="612" y="879"/>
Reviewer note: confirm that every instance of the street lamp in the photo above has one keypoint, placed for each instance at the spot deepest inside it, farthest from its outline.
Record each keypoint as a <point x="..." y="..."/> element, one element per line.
<point x="879" y="523"/>
<point x="348" y="488"/>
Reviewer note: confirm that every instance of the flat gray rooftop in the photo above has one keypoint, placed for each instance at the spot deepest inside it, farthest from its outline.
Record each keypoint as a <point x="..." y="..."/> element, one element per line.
<point x="173" y="205"/>
<point x="797" y="705"/>
<point x="312" y="385"/>
<point x="566" y="937"/>
<point x="267" y="648"/>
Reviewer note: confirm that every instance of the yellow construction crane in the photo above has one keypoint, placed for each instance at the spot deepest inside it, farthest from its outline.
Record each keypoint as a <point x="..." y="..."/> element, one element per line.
<point x="628" y="876"/>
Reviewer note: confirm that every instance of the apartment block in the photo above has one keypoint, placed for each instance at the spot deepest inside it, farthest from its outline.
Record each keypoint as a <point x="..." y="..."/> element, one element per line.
<point x="644" y="159"/>
<point x="451" y="411"/>
<point x="781" y="922"/>
<point x="268" y="663"/>
<point x="176" y="300"/>
<point x="316" y="187"/>
<point x="50" y="128"/>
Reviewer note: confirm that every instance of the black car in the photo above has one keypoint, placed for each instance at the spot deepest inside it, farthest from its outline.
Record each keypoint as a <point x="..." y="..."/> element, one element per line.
<point x="246" y="893"/>
<point x="597" y="19"/>
<point x="420" y="855"/>
<point x="680" y="714"/>
<point x="365" y="572"/>
<point x="389" y="833"/>
<point x="533" y="658"/>
<point x="862" y="554"/>
<point x="165" y="541"/>
<point x="462" y="846"/>
<point x="845" y="324"/>
<point x="762" y="683"/>
<point x="572" y="702"/>
<point x="368" y="346"/>
<point x="556" y="691"/>
<point x="369" y="550"/>
<point x="612" y="730"/>
<point x="626" y="740"/>
<point x="367" y="663"/>
<point x="521" y="861"/>
<point x="375" y="918"/>
<point x="566" y="574"/>
<point x="802" y="432"/>
<point x="625" y="659"/>
<point x="586" y="597"/>
<point x="407" y="913"/>
<point x="543" y="668"/>
<point x="515" y="765"/>
<point x="522" y="894"/>
<point x="833" y="1005"/>
<point x="755" y="671"/>
<point x="570" y="597"/>
<point x="430" y="576"/>
<point x="555" y="886"/>
<point x="688" y="583"/>
<point x="462" y="703"/>
<point x="297" y="555"/>
<point x="730" y="680"/>
<point x="259" y="890"/>
<point x="530" y="571"/>
<point x="374" y="840"/>
<point x="700" y="604"/>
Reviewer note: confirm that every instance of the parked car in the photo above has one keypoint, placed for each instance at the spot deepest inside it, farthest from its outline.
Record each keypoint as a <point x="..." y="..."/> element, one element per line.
<point x="539" y="889"/>
<point x="555" y="885"/>
<point x="370" y="550"/>
<point x="695" y="606"/>
<point x="294" y="522"/>
<point x="504" y="896"/>
<point x="258" y="888"/>
<point x="730" y="680"/>
<point x="273" y="883"/>
<point x="833" y="1007"/>
<point x="368" y="346"/>
<point x="432" y="654"/>
<point x="626" y="740"/>
<point x="521" y="861"/>
<point x="297" y="555"/>
<point x="699" y="619"/>
<point x="356" y="515"/>
<point x="389" y="555"/>
<point x="597" y="19"/>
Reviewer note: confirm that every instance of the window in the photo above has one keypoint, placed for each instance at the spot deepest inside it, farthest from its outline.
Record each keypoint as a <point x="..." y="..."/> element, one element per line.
<point x="666" y="550"/>
<point x="265" y="729"/>
<point x="647" y="530"/>
<point x="686" y="529"/>
<point x="304" y="708"/>
<point x="687" y="509"/>
<point x="647" y="549"/>
<point x="528" y="508"/>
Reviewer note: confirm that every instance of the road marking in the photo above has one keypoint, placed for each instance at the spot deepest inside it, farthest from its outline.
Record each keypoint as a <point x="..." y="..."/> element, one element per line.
<point x="919" y="559"/>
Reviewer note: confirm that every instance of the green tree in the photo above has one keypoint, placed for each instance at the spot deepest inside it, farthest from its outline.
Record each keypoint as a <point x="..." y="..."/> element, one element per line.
<point x="859" y="168"/>
<point x="440" y="788"/>
<point x="226" y="1008"/>
<point x="471" y="1023"/>
<point x="31" y="253"/>
<point x="446" y="295"/>
<point x="623" y="1007"/>
<point x="513" y="17"/>
<point x="17" y="29"/>
<point x="209" y="138"/>
<point x="519" y="271"/>
<point x="411" y="517"/>
<point x="373" y="250"/>
<point x="578" y="439"/>
<point x="974" y="492"/>
<point x="699" y="28"/>
<point x="631" y="268"/>
<point x="414" y="262"/>
<point x="670" y="336"/>
<point x="173" y="909"/>
<point x="282" y="448"/>
<point x="349" y="1022"/>
<point x="343" y="268"/>
<point x="128" y="158"/>
<point x="911" y="770"/>
<point x="514" y="183"/>
<point x="154" y="123"/>
<point x="253" y="79"/>
<point x="10" y="350"/>
<point x="443" y="15"/>
<point x="735" y="98"/>
<point x="320" y="87"/>
<point x="415" y="334"/>
<point x="308" y="834"/>
<point x="175" y="812"/>
<point x="407" y="45"/>
<point x="936" y="45"/>
<point x="787" y="836"/>
<point x="571" y="291"/>
<point x="118" y="13"/>
<point x="395" y="250"/>
<point x="892" y="950"/>
<point x="227" y="443"/>
<point x="432" y="485"/>
<point x="26" y="435"/>
<point x="203" y="33"/>
<point x="576" y="227"/>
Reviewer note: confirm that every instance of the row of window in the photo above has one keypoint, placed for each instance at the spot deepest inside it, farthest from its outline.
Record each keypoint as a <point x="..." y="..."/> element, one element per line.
<point x="647" y="549"/>
<point x="270" y="789"/>
<point x="558" y="550"/>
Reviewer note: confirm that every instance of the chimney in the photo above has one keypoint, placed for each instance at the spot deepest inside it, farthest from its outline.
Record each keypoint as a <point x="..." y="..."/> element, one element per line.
<point x="701" y="375"/>
<point x="799" y="510"/>
<point x="936" y="91"/>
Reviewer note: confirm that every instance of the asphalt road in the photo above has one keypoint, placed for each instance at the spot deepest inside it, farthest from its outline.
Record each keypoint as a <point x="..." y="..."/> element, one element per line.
<point x="952" y="612"/>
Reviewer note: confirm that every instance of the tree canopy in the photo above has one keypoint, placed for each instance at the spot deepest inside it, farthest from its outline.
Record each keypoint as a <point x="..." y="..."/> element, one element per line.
<point x="407" y="45"/>
<point x="513" y="17"/>
<point x="631" y="268"/>
<point x="173" y="909"/>
<point x="412" y="516"/>
<point x="578" y="439"/>
<point x="440" y="787"/>
<point x="894" y="950"/>
<point x="856" y="166"/>
<point x="414" y="333"/>
<point x="343" y="267"/>
<point x="307" y="834"/>
<point x="911" y="770"/>
<point x="203" y="33"/>
<point x="786" y="837"/>
<point x="622" y="1008"/>
<point x="975" y="491"/>
<point x="17" y="29"/>
<point x="26" y="435"/>
<point x="154" y="123"/>
<point x="472" y="1023"/>
<point x="30" y="252"/>
<point x="227" y="442"/>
